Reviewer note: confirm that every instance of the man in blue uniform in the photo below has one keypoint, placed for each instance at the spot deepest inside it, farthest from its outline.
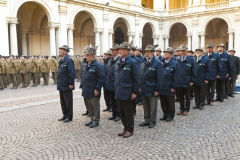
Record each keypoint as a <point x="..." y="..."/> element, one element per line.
<point x="138" y="54"/>
<point x="91" y="84"/>
<point x="216" y="68"/>
<point x="127" y="79"/>
<point x="171" y="74"/>
<point x="158" y="54"/>
<point x="227" y="72"/>
<point x="203" y="71"/>
<point x="65" y="85"/>
<point x="232" y="83"/>
<point x="187" y="74"/>
<point x="107" y="56"/>
<point x="110" y="82"/>
<point x="151" y="81"/>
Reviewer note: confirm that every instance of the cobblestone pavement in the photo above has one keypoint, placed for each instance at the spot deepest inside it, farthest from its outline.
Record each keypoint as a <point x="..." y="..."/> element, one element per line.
<point x="35" y="133"/>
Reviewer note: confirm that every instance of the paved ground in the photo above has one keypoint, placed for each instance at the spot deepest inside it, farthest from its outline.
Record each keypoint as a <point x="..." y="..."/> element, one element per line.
<point x="29" y="130"/>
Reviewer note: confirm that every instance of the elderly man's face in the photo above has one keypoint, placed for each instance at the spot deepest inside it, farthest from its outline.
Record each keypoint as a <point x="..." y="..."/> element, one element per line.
<point x="138" y="53"/>
<point x="62" y="52"/>
<point x="220" y="49"/>
<point x="90" y="57"/>
<point x="123" y="52"/>
<point x="167" y="55"/>
<point x="183" y="52"/>
<point x="132" y="52"/>
<point x="158" y="53"/>
<point x="231" y="53"/>
<point x="149" y="54"/>
<point x="199" y="53"/>
<point x="209" y="49"/>
<point x="114" y="52"/>
<point x="107" y="56"/>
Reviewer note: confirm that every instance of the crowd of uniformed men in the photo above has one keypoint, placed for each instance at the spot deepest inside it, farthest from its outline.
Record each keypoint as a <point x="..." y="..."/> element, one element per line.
<point x="128" y="78"/>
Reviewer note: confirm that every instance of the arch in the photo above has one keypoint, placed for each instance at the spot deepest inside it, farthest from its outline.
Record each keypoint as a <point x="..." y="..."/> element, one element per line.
<point x="169" y="27"/>
<point x="151" y="24"/>
<point x="41" y="3"/>
<point x="88" y="11"/>
<point x="209" y="19"/>
<point x="124" y="18"/>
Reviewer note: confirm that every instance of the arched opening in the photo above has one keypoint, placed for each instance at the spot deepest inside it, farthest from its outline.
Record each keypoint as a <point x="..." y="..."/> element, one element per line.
<point x="178" y="34"/>
<point x="217" y="32"/>
<point x="84" y="32"/>
<point x="120" y="31"/>
<point x="32" y="30"/>
<point x="147" y="35"/>
<point x="119" y="36"/>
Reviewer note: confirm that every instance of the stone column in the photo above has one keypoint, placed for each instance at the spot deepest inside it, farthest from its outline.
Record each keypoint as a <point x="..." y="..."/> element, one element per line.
<point x="203" y="2"/>
<point x="13" y="36"/>
<point x="167" y="4"/>
<point x="52" y="38"/>
<point x="155" y="39"/>
<point x="97" y="40"/>
<point x="57" y="40"/>
<point x="110" y="39"/>
<point x="136" y="40"/>
<point x="63" y="23"/>
<point x="130" y="36"/>
<point x="202" y="40"/>
<point x="24" y="41"/>
<point x="230" y="41"/>
<point x="189" y="35"/>
<point x="195" y="36"/>
<point x="166" y="37"/>
<point x="196" y="2"/>
<point x="160" y="39"/>
<point x="189" y="3"/>
<point x="4" y="41"/>
<point x="237" y="33"/>
<point x="140" y="39"/>
<point x="105" y="30"/>
<point x="70" y="39"/>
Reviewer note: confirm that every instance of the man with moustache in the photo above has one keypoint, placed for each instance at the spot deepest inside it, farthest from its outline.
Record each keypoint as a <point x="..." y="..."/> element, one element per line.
<point x="227" y="72"/>
<point x="127" y="78"/>
<point x="216" y="69"/>
<point x="151" y="83"/>
<point x="110" y="82"/>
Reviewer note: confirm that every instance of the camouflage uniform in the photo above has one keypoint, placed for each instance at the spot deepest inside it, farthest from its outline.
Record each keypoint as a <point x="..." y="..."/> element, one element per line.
<point x="34" y="72"/>
<point x="5" y="81"/>
<point x="2" y="71"/>
<point x="78" y="68"/>
<point x="54" y="67"/>
<point x="23" y="69"/>
<point x="45" y="71"/>
<point x="12" y="70"/>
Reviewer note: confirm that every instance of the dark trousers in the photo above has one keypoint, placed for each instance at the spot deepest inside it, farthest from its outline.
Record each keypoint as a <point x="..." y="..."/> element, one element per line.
<point x="177" y="93"/>
<point x="107" y="98"/>
<point x="184" y="92"/>
<point x="232" y="86"/>
<point x="168" y="106"/>
<point x="227" y="88"/>
<point x="85" y="102"/>
<point x="66" y="99"/>
<point x="210" y="89"/>
<point x="191" y="92"/>
<point x="126" y="114"/>
<point x="220" y="88"/>
<point x="93" y="107"/>
<point x="199" y="92"/>
<point x="114" y="104"/>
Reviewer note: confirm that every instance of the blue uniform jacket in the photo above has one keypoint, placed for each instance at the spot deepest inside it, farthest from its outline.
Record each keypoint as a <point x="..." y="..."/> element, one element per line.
<point x="202" y="70"/>
<point x="187" y="72"/>
<point x="171" y="74"/>
<point x="141" y="59"/>
<point x="110" y="80"/>
<point x="227" y="65"/>
<point x="93" y="79"/>
<point x="104" y="64"/>
<point x="127" y="78"/>
<point x="216" y="67"/>
<point x="83" y="66"/>
<point x="151" y="80"/>
<point x="65" y="74"/>
<point x="136" y="59"/>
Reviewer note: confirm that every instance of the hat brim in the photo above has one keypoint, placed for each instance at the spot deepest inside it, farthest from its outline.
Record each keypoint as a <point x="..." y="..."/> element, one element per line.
<point x="114" y="48"/>
<point x="168" y="51"/>
<point x="232" y="50"/>
<point x="124" y="48"/>
<point x="221" y="46"/>
<point x="64" y="49"/>
<point x="199" y="50"/>
<point x="210" y="46"/>
<point x="149" y="50"/>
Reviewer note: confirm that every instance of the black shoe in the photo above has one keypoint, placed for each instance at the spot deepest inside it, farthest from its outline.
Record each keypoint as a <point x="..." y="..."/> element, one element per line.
<point x="88" y="116"/>
<point x="34" y="86"/>
<point x="195" y="107"/>
<point x="110" y="110"/>
<point x="145" y="123"/>
<point x="163" y="118"/>
<point x="67" y="120"/>
<point x="85" y="114"/>
<point x="62" y="119"/>
<point x="151" y="125"/>
<point x="217" y="99"/>
<point x="169" y="119"/>
<point x="191" y="98"/>
<point x="221" y="100"/>
<point x="116" y="119"/>
<point x="105" y="110"/>
<point x="177" y="100"/>
<point x="112" y="118"/>
<point x="226" y="97"/>
<point x="94" y="124"/>
<point x="200" y="107"/>
<point x="89" y="123"/>
<point x="140" y="104"/>
<point x="232" y="95"/>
